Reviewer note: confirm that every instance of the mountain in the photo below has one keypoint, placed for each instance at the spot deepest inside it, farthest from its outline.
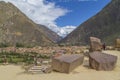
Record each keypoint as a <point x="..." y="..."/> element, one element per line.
<point x="52" y="35"/>
<point x="104" y="25"/>
<point x="64" y="31"/>
<point x="61" y="31"/>
<point x="16" y="28"/>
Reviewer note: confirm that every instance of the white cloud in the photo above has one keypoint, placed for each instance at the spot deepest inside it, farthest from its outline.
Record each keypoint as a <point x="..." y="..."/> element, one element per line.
<point x="41" y="12"/>
<point x="62" y="31"/>
<point x="66" y="30"/>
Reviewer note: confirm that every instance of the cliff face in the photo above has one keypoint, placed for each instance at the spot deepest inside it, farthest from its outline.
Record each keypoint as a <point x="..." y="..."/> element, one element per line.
<point x="104" y="25"/>
<point x="15" y="27"/>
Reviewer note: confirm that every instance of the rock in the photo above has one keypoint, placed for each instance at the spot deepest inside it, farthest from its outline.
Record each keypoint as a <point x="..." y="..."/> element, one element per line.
<point x="110" y="48"/>
<point x="117" y="43"/>
<point x="86" y="54"/>
<point x="95" y="44"/>
<point x="48" y="70"/>
<point x="66" y="63"/>
<point x="102" y="61"/>
<point x="118" y="49"/>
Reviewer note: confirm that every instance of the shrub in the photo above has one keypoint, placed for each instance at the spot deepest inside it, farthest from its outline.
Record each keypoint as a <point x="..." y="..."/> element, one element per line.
<point x="19" y="45"/>
<point x="2" y="45"/>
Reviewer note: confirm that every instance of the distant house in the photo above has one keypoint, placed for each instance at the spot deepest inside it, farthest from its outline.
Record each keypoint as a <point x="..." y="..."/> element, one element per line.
<point x="66" y="63"/>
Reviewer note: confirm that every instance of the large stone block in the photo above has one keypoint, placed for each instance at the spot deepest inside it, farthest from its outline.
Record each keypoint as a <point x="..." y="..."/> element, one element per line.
<point x="95" y="44"/>
<point x="102" y="61"/>
<point x="66" y="63"/>
<point x="117" y="43"/>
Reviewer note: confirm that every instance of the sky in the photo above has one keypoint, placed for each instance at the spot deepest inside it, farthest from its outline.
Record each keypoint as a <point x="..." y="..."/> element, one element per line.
<point x="81" y="10"/>
<point x="61" y="16"/>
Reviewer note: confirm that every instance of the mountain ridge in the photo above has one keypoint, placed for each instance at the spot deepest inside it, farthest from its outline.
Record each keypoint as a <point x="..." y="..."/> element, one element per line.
<point x="104" y="25"/>
<point x="16" y="27"/>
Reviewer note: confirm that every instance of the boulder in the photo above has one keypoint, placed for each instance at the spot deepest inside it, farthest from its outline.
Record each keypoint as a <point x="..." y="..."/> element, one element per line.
<point x="102" y="61"/>
<point x="48" y="70"/>
<point x="95" y="44"/>
<point x="67" y="62"/>
<point x="117" y="43"/>
<point x="110" y="48"/>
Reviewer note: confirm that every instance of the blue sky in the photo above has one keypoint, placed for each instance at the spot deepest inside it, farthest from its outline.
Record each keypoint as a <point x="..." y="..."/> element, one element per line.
<point x="81" y="10"/>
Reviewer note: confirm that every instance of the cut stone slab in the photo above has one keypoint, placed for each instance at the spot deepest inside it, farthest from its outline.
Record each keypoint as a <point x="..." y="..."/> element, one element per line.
<point x="66" y="63"/>
<point x="102" y="61"/>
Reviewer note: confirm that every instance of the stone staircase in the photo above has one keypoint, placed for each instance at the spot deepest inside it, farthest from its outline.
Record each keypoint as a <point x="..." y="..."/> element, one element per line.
<point x="40" y="69"/>
<point x="35" y="69"/>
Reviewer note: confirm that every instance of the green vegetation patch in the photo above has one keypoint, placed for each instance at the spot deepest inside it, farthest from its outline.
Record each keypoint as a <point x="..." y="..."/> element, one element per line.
<point x="27" y="58"/>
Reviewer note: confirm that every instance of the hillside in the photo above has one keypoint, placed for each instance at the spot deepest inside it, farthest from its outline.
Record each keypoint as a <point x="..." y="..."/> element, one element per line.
<point x="52" y="35"/>
<point x="15" y="28"/>
<point x="104" y="25"/>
